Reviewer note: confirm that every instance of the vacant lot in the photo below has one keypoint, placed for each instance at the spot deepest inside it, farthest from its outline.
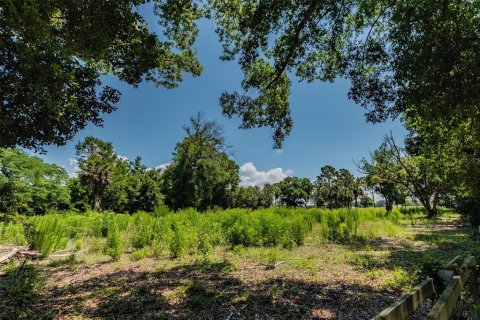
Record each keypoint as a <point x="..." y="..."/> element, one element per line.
<point x="351" y="273"/>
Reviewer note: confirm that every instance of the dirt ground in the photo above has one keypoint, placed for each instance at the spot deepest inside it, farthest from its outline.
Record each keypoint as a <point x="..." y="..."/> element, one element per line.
<point x="316" y="281"/>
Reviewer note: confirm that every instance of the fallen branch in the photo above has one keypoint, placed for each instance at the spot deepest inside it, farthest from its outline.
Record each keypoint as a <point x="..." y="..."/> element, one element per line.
<point x="9" y="255"/>
<point x="30" y="254"/>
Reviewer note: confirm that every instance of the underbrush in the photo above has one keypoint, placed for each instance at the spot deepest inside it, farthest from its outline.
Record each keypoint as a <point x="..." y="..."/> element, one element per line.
<point x="346" y="225"/>
<point x="189" y="232"/>
<point x="13" y="233"/>
<point x="18" y="288"/>
<point x="49" y="234"/>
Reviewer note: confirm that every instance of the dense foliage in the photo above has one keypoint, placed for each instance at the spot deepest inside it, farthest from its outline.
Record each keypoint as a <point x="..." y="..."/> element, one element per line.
<point x="337" y="188"/>
<point x="201" y="174"/>
<point x="53" y="54"/>
<point x="295" y="191"/>
<point x="107" y="182"/>
<point x="30" y="186"/>
<point x="419" y="59"/>
<point x="254" y="197"/>
<point x="391" y="169"/>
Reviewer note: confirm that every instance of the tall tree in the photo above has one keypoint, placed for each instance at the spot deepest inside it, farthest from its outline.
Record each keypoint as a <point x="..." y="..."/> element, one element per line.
<point x="327" y="187"/>
<point x="391" y="166"/>
<point x="249" y="197"/>
<point x="109" y="182"/>
<point x="270" y="193"/>
<point x="201" y="174"/>
<point x="96" y="160"/>
<point x="358" y="189"/>
<point x="346" y="185"/>
<point x="295" y="191"/>
<point x="366" y="201"/>
<point x="54" y="53"/>
<point x="456" y="154"/>
<point x="142" y="187"/>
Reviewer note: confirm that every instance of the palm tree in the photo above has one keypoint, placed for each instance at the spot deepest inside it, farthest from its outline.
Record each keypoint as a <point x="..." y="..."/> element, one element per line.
<point x="98" y="175"/>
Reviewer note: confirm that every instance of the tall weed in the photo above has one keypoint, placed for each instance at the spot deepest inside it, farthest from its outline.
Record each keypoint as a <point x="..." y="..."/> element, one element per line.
<point x="49" y="234"/>
<point x="114" y="246"/>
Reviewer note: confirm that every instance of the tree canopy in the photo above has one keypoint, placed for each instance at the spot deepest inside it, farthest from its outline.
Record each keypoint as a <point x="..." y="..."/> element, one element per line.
<point x="108" y="182"/>
<point x="295" y="191"/>
<point x="201" y="174"/>
<point x="392" y="169"/>
<point x="53" y="54"/>
<point x="30" y="186"/>
<point x="418" y="59"/>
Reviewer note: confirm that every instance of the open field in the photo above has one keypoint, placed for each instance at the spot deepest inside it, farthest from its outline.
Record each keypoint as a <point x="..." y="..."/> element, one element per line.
<point x="236" y="264"/>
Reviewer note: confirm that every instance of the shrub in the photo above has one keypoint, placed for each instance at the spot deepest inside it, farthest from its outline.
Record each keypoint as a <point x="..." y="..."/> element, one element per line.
<point x="268" y="227"/>
<point x="399" y="279"/>
<point x="157" y="249"/>
<point x="298" y="231"/>
<point x="96" y="245"/>
<point x="49" y="234"/>
<point x="204" y="246"/>
<point x="12" y="233"/>
<point x="143" y="230"/>
<point x="198" y="295"/>
<point x="114" y="245"/>
<point x="333" y="226"/>
<point x="244" y="233"/>
<point x="161" y="211"/>
<point x="18" y="291"/>
<point x="191" y="232"/>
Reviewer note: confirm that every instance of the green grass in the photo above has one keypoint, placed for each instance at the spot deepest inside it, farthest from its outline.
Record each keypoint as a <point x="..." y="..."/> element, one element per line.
<point x="189" y="232"/>
<point x="114" y="245"/>
<point x="278" y="252"/>
<point x="13" y="233"/>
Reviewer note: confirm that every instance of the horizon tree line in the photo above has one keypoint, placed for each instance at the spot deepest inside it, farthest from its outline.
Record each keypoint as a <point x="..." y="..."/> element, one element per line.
<point x="202" y="176"/>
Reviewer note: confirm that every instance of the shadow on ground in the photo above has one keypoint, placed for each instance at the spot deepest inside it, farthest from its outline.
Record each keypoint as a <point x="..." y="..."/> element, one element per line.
<point x="431" y="244"/>
<point x="195" y="291"/>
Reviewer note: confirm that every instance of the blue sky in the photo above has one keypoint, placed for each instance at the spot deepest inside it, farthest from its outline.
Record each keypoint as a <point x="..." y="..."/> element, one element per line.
<point x="328" y="128"/>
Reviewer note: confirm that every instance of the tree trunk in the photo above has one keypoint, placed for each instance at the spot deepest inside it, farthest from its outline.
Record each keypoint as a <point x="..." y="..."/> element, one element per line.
<point x="94" y="202"/>
<point x="427" y="206"/>
<point x="388" y="205"/>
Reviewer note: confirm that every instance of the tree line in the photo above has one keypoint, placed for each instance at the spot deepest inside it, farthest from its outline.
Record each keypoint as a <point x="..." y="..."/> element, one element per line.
<point x="203" y="176"/>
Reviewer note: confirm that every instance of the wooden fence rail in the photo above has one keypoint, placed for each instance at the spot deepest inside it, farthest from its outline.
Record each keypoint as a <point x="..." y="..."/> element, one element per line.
<point x="445" y="305"/>
<point x="408" y="303"/>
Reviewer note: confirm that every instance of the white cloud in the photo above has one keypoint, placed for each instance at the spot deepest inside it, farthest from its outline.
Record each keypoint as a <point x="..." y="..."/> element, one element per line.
<point x="73" y="164"/>
<point x="123" y="158"/>
<point x="162" y="167"/>
<point x="250" y="176"/>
